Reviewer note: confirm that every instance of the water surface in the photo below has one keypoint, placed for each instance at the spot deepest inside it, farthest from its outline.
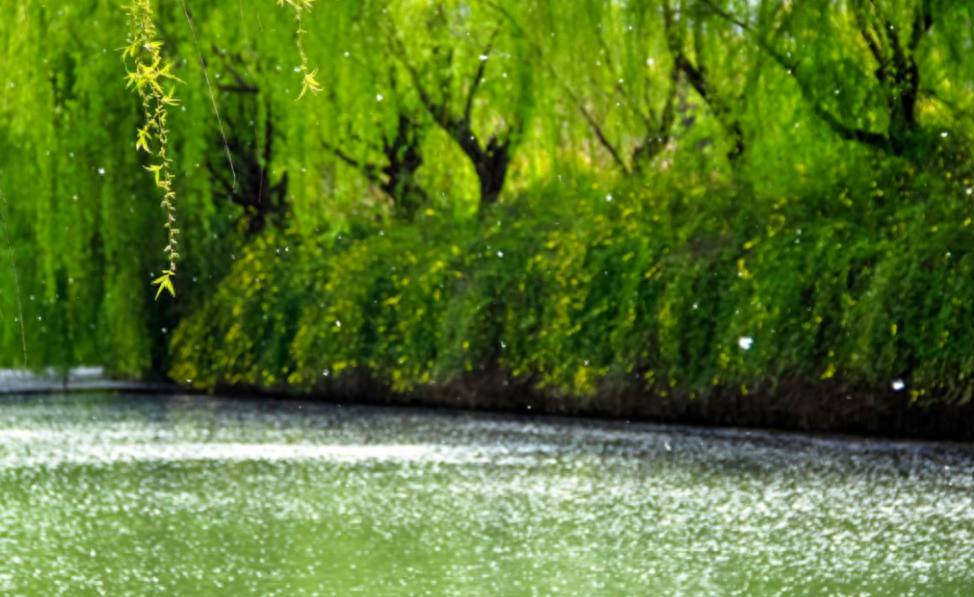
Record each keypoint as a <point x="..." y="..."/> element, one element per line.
<point x="192" y="497"/>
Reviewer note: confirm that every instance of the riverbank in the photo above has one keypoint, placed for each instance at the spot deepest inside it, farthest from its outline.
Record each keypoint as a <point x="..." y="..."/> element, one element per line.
<point x="793" y="408"/>
<point x="76" y="379"/>
<point x="790" y="408"/>
<point x="729" y="308"/>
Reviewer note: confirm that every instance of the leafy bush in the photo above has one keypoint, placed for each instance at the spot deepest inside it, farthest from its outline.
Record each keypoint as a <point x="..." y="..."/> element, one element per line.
<point x="684" y="287"/>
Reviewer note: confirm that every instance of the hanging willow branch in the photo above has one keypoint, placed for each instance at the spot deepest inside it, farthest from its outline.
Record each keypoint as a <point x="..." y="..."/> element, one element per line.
<point x="148" y="77"/>
<point x="308" y="83"/>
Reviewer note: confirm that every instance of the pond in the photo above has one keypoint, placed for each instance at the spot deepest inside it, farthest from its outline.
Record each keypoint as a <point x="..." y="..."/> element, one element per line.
<point x="188" y="496"/>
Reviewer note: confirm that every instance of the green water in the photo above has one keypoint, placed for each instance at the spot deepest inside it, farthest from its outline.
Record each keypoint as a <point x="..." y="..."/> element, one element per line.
<point x="176" y="496"/>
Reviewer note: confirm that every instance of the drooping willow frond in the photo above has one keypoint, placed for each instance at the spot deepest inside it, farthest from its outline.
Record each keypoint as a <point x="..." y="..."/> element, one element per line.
<point x="149" y="77"/>
<point x="308" y="82"/>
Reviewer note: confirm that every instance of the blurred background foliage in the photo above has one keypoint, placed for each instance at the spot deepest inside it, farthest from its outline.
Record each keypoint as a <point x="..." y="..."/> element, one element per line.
<point x="579" y="197"/>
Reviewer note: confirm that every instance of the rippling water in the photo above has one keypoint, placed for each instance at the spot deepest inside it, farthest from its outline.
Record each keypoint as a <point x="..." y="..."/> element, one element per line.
<point x="190" y="497"/>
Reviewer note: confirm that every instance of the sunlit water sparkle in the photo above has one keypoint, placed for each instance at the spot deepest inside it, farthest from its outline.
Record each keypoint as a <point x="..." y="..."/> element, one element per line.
<point x="134" y="496"/>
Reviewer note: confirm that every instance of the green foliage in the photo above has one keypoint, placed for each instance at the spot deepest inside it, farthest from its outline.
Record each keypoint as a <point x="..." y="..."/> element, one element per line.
<point x="589" y="294"/>
<point x="791" y="172"/>
<point x="308" y="82"/>
<point x="150" y="73"/>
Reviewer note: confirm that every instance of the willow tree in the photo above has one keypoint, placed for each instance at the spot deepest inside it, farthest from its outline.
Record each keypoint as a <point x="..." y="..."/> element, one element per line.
<point x="459" y="60"/>
<point x="717" y="63"/>
<point x="871" y="70"/>
<point x="608" y="64"/>
<point x="84" y="215"/>
<point x="382" y="133"/>
<point x="363" y="110"/>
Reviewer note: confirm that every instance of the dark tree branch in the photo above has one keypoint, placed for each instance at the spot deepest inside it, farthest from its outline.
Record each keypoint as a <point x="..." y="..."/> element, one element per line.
<point x="479" y="76"/>
<point x="871" y="42"/>
<point x="370" y="171"/>
<point x="867" y="137"/>
<point x="397" y="178"/>
<point x="579" y="104"/>
<point x="238" y="89"/>
<point x="491" y="161"/>
<point x="922" y="23"/>
<point x="435" y="110"/>
<point x="696" y="75"/>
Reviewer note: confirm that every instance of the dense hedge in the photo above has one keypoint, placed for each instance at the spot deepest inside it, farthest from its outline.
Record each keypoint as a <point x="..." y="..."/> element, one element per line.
<point x="683" y="286"/>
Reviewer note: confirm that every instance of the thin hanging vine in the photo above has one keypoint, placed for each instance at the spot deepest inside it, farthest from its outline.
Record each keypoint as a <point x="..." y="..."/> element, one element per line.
<point x="308" y="83"/>
<point x="150" y="73"/>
